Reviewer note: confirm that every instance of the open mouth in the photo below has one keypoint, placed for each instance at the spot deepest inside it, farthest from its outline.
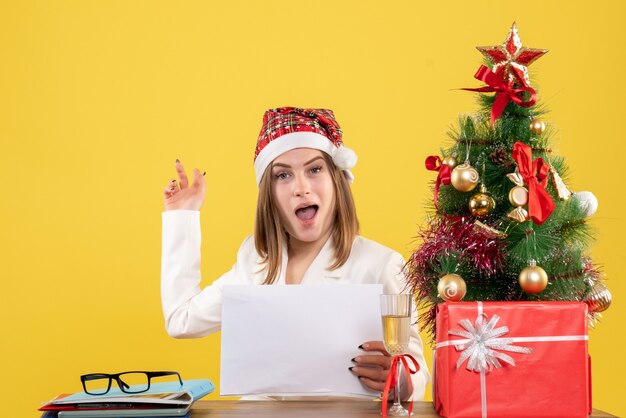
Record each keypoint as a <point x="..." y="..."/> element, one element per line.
<point x="307" y="213"/>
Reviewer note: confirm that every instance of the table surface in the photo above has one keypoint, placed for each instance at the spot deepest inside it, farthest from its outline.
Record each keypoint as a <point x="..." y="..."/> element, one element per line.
<point x="305" y="409"/>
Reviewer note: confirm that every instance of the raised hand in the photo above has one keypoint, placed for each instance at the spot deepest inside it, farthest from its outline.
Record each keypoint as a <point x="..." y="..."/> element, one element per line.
<point x="182" y="195"/>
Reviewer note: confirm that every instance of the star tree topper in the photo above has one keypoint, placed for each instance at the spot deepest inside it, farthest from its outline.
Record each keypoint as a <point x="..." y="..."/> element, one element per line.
<point x="511" y="59"/>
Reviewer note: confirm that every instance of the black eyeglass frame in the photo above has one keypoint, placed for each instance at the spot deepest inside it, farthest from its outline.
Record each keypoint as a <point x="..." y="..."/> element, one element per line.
<point x="123" y="385"/>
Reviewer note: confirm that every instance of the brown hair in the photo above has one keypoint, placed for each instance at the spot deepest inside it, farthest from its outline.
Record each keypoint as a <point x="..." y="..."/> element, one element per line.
<point x="269" y="233"/>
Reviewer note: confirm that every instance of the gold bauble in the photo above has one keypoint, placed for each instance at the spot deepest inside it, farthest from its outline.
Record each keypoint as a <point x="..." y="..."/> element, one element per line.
<point x="537" y="126"/>
<point x="464" y="177"/>
<point x="599" y="298"/>
<point x="533" y="279"/>
<point x="518" y="196"/>
<point x="451" y="161"/>
<point x="451" y="288"/>
<point x="481" y="204"/>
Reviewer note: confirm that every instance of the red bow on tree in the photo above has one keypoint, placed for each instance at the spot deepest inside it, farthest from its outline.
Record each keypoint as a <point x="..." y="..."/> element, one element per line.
<point x="505" y="92"/>
<point x="535" y="174"/>
<point x="433" y="163"/>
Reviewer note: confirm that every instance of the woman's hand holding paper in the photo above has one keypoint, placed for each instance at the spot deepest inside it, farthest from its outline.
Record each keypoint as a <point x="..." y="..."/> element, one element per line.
<point x="373" y="369"/>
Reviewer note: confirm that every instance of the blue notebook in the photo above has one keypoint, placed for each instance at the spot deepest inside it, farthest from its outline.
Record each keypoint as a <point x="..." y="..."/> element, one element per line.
<point x="165" y="393"/>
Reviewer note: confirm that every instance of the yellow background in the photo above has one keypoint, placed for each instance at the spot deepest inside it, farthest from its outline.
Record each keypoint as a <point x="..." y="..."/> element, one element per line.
<point x="98" y="98"/>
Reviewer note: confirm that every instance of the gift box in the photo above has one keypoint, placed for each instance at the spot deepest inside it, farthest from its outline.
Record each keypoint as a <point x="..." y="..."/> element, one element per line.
<point x="512" y="359"/>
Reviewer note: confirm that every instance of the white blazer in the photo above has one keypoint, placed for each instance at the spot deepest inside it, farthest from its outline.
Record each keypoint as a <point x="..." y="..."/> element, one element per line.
<point x="190" y="311"/>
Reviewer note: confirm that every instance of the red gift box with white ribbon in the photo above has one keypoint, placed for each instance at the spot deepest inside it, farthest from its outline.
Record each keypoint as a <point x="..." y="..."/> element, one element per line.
<point x="512" y="359"/>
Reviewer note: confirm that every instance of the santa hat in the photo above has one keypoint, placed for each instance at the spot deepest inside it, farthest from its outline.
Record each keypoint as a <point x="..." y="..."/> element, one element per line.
<point x="287" y="128"/>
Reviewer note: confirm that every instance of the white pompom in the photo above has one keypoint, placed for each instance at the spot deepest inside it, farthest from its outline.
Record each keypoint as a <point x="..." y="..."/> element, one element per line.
<point x="344" y="158"/>
<point x="588" y="202"/>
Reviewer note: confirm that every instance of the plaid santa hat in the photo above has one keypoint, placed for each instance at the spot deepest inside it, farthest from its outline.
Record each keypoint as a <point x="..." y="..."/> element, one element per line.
<point x="287" y="128"/>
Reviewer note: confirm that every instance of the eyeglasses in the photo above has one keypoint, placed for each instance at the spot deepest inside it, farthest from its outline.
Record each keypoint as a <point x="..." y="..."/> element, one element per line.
<point x="129" y="382"/>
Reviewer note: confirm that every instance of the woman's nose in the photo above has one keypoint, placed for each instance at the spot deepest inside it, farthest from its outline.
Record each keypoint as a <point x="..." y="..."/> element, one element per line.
<point x="302" y="186"/>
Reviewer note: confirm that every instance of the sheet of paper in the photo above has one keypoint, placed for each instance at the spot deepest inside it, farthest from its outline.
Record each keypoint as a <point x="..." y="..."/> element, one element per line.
<point x="296" y="340"/>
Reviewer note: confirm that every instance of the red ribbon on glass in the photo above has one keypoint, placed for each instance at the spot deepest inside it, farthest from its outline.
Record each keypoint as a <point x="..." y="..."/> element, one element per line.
<point x="392" y="379"/>
<point x="535" y="174"/>
<point x="434" y="163"/>
<point x="505" y="92"/>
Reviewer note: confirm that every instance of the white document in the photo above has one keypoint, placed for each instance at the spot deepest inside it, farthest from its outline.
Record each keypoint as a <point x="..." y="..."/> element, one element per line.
<point x="296" y="340"/>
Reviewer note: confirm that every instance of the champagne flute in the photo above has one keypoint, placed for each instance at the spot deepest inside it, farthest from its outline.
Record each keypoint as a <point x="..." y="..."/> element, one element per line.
<point x="396" y="317"/>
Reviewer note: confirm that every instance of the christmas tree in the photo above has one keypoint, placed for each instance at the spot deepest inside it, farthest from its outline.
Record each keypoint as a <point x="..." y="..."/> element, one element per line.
<point x="503" y="225"/>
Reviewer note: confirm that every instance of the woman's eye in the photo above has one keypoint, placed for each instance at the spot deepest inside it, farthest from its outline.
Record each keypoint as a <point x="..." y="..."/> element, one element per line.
<point x="316" y="170"/>
<point x="281" y="176"/>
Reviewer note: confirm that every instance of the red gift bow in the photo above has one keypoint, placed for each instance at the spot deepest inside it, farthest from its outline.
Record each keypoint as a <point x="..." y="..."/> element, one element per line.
<point x="505" y="92"/>
<point x="434" y="163"/>
<point x="392" y="379"/>
<point x="535" y="174"/>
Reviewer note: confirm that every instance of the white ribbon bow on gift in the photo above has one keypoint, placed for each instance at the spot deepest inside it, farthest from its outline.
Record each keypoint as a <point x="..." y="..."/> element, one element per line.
<point x="482" y="341"/>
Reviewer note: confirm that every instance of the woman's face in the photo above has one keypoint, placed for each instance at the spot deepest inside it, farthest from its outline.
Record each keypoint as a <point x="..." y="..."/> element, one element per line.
<point x="304" y="193"/>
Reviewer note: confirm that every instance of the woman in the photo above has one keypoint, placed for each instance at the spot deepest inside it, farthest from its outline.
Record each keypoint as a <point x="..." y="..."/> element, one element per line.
<point x="306" y="232"/>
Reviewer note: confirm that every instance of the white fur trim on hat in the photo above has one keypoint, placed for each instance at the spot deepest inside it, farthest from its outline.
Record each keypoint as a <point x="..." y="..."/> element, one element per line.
<point x="347" y="158"/>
